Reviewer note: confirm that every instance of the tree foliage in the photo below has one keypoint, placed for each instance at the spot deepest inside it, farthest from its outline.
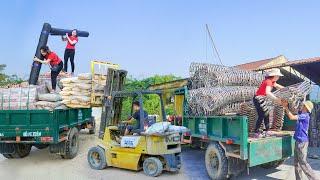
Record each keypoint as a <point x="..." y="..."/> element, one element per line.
<point x="151" y="103"/>
<point x="6" y="79"/>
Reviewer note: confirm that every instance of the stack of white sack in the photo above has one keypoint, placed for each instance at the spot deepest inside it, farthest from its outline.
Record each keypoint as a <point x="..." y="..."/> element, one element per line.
<point x="163" y="127"/>
<point x="50" y="102"/>
<point x="99" y="82"/>
<point x="18" y="98"/>
<point x="76" y="91"/>
<point x="46" y="77"/>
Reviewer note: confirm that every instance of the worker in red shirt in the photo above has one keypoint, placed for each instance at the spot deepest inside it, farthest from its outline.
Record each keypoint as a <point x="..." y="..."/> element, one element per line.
<point x="70" y="50"/>
<point x="265" y="90"/>
<point x="55" y="63"/>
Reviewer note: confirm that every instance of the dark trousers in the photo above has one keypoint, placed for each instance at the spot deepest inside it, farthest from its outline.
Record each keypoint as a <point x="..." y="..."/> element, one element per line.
<point x="55" y="70"/>
<point x="262" y="116"/>
<point x="69" y="54"/>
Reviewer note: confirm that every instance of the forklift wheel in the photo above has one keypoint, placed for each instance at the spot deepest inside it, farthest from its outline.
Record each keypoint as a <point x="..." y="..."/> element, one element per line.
<point x="97" y="158"/>
<point x="152" y="166"/>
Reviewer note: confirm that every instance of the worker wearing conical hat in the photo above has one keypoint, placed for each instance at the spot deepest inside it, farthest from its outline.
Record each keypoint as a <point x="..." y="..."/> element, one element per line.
<point x="302" y="140"/>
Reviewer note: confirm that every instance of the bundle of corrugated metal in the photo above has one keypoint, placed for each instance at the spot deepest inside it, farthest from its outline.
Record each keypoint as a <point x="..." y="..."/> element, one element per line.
<point x="217" y="90"/>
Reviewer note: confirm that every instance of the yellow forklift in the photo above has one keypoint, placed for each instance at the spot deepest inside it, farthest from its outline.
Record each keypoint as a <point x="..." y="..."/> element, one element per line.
<point x="152" y="153"/>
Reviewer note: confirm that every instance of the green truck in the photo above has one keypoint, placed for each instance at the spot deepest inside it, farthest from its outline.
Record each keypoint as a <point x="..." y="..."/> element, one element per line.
<point x="58" y="129"/>
<point x="229" y="149"/>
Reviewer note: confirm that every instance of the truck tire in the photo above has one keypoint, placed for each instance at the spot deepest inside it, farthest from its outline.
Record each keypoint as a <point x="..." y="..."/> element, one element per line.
<point x="216" y="162"/>
<point x="21" y="150"/>
<point x="8" y="156"/>
<point x="72" y="144"/>
<point x="97" y="158"/>
<point x="273" y="164"/>
<point x="41" y="146"/>
<point x="236" y="166"/>
<point x="152" y="166"/>
<point x="93" y="129"/>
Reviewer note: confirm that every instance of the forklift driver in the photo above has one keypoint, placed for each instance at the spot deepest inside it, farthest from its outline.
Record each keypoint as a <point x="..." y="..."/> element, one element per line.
<point x="133" y="123"/>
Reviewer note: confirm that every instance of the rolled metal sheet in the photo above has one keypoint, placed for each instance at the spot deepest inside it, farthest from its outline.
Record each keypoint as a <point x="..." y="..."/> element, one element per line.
<point x="36" y="66"/>
<point x="217" y="90"/>
<point x="43" y="39"/>
<point x="62" y="32"/>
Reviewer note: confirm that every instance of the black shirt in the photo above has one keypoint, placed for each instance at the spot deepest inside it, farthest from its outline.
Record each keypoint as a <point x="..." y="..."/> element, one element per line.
<point x="136" y="116"/>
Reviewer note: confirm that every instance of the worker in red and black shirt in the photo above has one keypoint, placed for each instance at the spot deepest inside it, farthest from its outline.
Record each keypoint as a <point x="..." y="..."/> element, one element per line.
<point x="70" y="49"/>
<point x="265" y="90"/>
<point x="55" y="63"/>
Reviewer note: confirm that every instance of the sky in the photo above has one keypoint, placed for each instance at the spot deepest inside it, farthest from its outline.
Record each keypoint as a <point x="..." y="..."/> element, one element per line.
<point x="160" y="37"/>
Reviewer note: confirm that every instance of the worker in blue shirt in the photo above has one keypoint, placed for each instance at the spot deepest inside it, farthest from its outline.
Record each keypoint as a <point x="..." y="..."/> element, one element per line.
<point x="301" y="137"/>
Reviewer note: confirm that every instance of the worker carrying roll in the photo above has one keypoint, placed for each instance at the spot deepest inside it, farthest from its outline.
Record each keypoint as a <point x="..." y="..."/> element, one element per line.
<point x="43" y="39"/>
<point x="55" y="63"/>
<point x="265" y="90"/>
<point x="72" y="40"/>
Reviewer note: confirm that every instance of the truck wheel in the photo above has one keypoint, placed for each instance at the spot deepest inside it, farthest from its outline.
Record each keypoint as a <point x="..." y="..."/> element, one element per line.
<point x="195" y="144"/>
<point x="236" y="166"/>
<point x="216" y="162"/>
<point x="21" y="150"/>
<point x="93" y="129"/>
<point x="152" y="166"/>
<point x="72" y="144"/>
<point x="273" y="164"/>
<point x="8" y="156"/>
<point x="41" y="146"/>
<point x="97" y="158"/>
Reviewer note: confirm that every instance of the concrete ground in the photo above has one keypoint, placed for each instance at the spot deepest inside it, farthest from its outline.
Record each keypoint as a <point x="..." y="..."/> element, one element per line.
<point x="42" y="165"/>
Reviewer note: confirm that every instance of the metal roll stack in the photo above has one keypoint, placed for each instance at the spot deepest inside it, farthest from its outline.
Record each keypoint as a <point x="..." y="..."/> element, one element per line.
<point x="218" y="90"/>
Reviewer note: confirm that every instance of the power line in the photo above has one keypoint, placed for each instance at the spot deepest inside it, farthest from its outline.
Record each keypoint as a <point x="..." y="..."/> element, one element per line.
<point x="215" y="50"/>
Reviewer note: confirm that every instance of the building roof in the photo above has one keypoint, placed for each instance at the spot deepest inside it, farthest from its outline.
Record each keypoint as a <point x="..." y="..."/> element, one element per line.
<point x="307" y="67"/>
<point x="252" y="66"/>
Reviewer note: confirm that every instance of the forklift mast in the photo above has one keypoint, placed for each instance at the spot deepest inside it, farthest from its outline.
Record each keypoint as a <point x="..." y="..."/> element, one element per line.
<point x="115" y="82"/>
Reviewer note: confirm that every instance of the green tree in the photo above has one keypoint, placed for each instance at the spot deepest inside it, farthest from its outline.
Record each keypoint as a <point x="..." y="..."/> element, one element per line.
<point x="151" y="102"/>
<point x="5" y="79"/>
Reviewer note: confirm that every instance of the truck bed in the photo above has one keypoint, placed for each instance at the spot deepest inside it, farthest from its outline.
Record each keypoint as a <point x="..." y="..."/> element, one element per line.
<point x="234" y="130"/>
<point x="34" y="126"/>
<point x="275" y="134"/>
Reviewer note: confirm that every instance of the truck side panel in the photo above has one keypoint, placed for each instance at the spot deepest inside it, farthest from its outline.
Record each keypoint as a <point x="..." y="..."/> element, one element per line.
<point x="31" y="125"/>
<point x="26" y="123"/>
<point x="220" y="128"/>
<point x="266" y="150"/>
